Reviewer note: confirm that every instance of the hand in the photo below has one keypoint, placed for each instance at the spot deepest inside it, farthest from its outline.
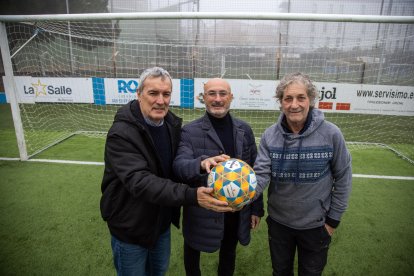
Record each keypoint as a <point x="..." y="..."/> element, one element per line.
<point x="329" y="229"/>
<point x="236" y="209"/>
<point x="255" y="221"/>
<point x="207" y="163"/>
<point x="206" y="200"/>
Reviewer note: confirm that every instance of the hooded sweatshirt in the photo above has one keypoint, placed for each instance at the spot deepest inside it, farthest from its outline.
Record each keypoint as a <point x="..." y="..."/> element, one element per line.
<point x="309" y="174"/>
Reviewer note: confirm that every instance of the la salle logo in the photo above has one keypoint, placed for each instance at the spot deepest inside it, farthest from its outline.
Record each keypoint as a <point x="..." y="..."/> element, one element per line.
<point x="40" y="89"/>
<point x="37" y="89"/>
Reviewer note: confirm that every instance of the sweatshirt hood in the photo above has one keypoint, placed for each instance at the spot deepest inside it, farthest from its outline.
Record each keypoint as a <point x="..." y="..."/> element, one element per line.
<point x="317" y="118"/>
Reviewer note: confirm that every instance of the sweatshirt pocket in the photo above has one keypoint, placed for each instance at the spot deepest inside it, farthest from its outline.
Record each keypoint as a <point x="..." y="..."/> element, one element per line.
<point x="300" y="214"/>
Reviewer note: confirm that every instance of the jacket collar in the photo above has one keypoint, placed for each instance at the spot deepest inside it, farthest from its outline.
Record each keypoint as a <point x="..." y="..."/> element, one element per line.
<point x="136" y="115"/>
<point x="238" y="133"/>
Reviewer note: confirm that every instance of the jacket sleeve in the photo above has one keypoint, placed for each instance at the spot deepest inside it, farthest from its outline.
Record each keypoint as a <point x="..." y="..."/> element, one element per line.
<point x="251" y="145"/>
<point x="186" y="166"/>
<point x="128" y="163"/>
<point x="262" y="166"/>
<point x="342" y="174"/>
<point x="257" y="206"/>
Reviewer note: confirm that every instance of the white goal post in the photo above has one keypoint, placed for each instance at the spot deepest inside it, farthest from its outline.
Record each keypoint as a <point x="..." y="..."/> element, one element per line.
<point x="67" y="74"/>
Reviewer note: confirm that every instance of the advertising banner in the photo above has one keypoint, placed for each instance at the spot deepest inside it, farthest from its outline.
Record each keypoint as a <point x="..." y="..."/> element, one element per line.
<point x="121" y="91"/>
<point x="333" y="97"/>
<point x="56" y="90"/>
<point x="366" y="99"/>
<point x="248" y="94"/>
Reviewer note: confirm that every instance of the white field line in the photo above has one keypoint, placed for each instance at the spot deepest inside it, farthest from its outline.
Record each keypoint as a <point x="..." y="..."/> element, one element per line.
<point x="9" y="159"/>
<point x="67" y="162"/>
<point x="384" y="176"/>
<point x="102" y="163"/>
<point x="55" y="161"/>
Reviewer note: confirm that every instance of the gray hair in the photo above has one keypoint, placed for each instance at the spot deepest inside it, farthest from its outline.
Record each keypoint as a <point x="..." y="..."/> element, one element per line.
<point x="299" y="78"/>
<point x="154" y="72"/>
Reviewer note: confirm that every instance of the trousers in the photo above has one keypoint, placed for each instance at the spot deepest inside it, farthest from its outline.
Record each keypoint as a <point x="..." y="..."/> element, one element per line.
<point x="135" y="260"/>
<point x="312" y="246"/>
<point x="227" y="254"/>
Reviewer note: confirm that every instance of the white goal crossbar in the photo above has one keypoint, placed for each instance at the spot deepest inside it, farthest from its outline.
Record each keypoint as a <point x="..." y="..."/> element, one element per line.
<point x="212" y="15"/>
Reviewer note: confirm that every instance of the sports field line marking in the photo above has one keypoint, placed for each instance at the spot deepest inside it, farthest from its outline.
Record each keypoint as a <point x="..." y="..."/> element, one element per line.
<point x="56" y="161"/>
<point x="68" y="162"/>
<point x="383" y="176"/>
<point x="102" y="163"/>
<point x="9" y="159"/>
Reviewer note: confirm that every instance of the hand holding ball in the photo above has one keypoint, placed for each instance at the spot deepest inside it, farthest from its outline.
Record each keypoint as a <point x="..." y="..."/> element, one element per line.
<point x="233" y="181"/>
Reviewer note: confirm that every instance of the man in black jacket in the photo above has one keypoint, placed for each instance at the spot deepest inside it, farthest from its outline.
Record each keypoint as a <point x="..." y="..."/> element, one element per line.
<point x="139" y="201"/>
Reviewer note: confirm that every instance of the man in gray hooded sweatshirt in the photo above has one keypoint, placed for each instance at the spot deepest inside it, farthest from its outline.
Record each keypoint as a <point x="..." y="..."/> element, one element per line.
<point x="304" y="161"/>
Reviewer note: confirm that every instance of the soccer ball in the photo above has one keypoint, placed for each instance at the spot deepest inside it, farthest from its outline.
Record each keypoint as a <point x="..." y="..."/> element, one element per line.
<point x="233" y="181"/>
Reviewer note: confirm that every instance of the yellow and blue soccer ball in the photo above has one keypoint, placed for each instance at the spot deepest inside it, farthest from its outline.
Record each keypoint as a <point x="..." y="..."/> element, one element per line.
<point x="233" y="181"/>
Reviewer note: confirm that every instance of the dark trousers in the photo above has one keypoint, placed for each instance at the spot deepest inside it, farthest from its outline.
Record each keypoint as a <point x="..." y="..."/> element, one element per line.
<point x="227" y="255"/>
<point x="312" y="245"/>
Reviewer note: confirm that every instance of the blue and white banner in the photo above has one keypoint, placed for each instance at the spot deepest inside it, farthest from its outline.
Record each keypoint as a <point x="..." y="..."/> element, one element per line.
<point x="188" y="93"/>
<point x="121" y="91"/>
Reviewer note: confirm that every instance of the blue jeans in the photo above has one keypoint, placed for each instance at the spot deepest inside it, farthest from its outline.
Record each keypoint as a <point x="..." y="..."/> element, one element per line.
<point x="135" y="260"/>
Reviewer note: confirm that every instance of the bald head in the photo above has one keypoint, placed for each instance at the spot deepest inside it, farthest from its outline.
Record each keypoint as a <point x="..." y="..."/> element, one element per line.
<point x="217" y="97"/>
<point x="217" y="82"/>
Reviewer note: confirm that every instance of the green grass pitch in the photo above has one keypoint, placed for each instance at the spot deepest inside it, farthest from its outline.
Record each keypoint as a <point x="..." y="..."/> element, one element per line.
<point x="50" y="222"/>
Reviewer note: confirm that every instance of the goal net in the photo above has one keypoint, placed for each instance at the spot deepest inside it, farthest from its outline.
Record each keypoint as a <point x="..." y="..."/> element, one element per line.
<point x="70" y="77"/>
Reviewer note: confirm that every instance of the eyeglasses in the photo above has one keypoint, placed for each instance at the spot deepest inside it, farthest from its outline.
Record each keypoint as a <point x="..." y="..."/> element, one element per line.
<point x="221" y="94"/>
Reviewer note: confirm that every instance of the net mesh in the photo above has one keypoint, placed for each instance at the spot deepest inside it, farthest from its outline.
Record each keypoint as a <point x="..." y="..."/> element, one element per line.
<point x="329" y="52"/>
